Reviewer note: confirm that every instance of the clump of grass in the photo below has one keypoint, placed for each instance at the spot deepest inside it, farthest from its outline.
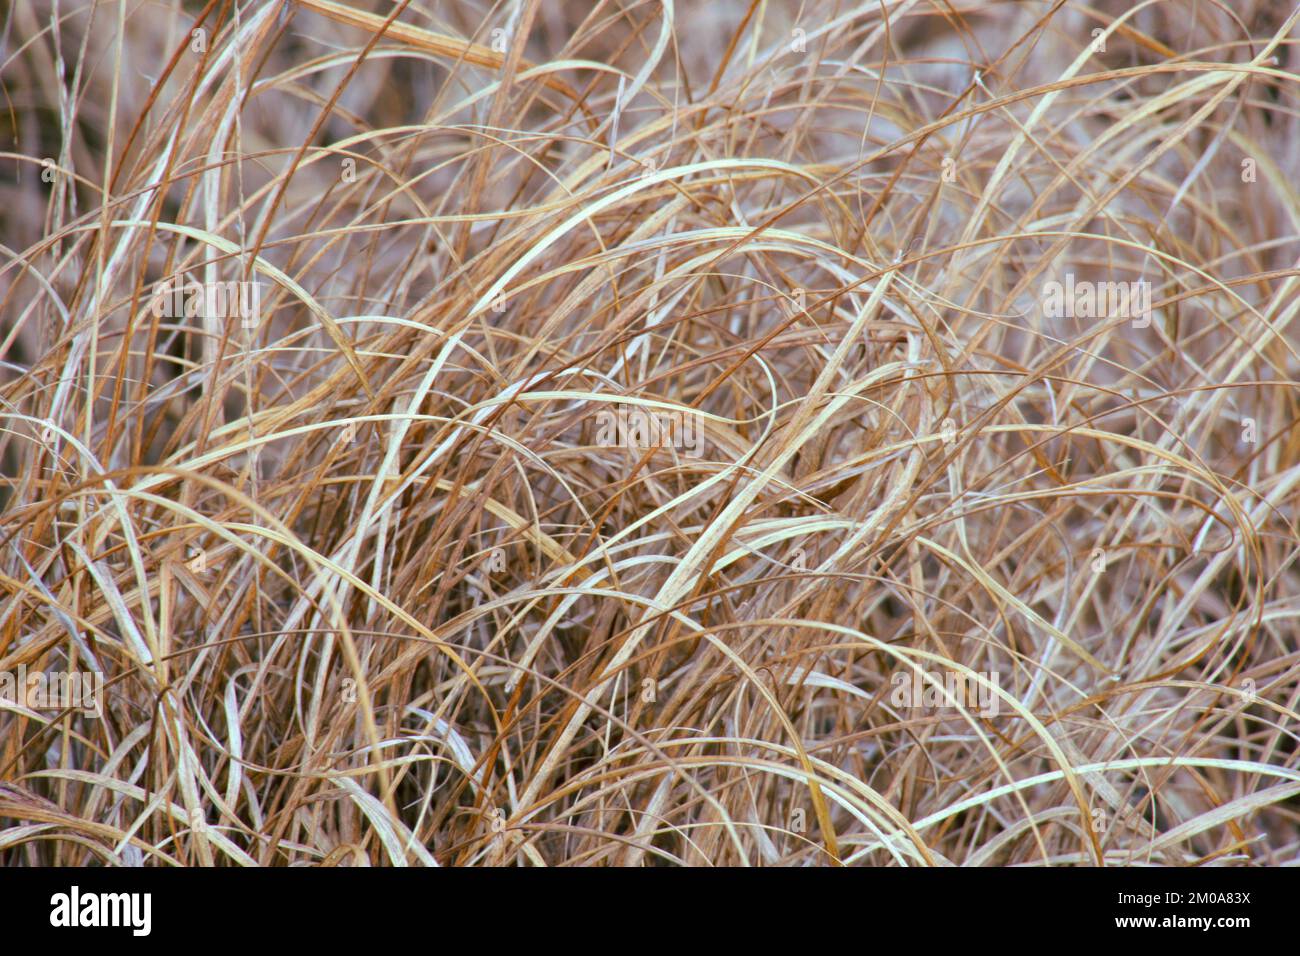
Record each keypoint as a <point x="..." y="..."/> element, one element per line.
<point x="637" y="434"/>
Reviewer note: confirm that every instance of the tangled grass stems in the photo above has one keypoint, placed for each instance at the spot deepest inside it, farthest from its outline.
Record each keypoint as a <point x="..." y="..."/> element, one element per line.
<point x="664" y="433"/>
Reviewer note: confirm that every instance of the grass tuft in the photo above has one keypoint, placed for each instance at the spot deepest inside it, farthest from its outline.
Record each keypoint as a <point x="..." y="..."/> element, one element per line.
<point x="709" y="433"/>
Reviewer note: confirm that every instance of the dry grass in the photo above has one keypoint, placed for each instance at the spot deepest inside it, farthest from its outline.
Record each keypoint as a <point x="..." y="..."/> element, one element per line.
<point x="369" y="582"/>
